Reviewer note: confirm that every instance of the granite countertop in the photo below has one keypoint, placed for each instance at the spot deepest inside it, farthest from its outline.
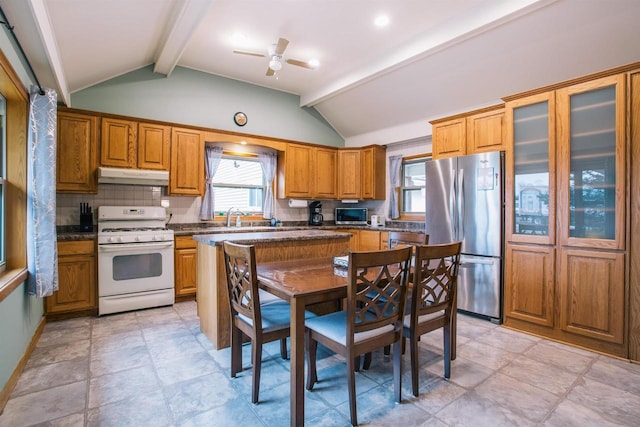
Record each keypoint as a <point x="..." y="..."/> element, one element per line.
<point x="268" y="236"/>
<point x="73" y="232"/>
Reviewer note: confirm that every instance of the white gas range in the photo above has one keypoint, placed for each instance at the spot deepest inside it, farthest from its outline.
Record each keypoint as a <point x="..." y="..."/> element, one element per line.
<point x="135" y="258"/>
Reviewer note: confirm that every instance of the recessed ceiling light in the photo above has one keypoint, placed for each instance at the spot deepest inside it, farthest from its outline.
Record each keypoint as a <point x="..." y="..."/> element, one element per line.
<point x="313" y="62"/>
<point x="381" y="21"/>
<point x="238" y="39"/>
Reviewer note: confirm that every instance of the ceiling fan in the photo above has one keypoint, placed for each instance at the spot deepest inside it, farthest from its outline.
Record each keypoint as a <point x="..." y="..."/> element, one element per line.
<point x="275" y="57"/>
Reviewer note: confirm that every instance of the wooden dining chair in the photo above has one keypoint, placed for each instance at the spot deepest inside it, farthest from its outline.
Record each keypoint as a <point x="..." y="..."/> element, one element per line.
<point x="431" y="303"/>
<point x="398" y="239"/>
<point x="247" y="310"/>
<point x="366" y="323"/>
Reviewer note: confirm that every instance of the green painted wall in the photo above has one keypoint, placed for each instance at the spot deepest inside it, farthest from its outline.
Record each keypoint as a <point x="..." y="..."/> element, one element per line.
<point x="200" y="99"/>
<point x="20" y="315"/>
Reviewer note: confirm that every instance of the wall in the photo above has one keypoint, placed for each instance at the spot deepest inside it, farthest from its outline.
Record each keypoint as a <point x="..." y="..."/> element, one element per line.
<point x="19" y="314"/>
<point x="200" y="99"/>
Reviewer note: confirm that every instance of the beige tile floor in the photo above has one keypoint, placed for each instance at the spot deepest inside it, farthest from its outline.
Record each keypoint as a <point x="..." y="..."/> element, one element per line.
<point x="155" y="368"/>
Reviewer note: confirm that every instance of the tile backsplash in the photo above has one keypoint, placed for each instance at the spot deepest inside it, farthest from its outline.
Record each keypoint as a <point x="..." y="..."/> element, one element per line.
<point x="185" y="209"/>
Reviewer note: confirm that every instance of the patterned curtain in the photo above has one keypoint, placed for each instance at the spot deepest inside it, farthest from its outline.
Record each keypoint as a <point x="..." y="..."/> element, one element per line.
<point x="268" y="162"/>
<point x="395" y="163"/>
<point x="42" y="250"/>
<point x="212" y="157"/>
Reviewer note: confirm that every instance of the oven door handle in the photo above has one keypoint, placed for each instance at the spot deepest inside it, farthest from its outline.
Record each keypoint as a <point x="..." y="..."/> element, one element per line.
<point x="119" y="246"/>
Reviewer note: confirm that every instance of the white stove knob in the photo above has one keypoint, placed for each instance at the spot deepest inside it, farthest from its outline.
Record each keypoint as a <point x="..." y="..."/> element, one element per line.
<point x="154" y="237"/>
<point x="137" y="238"/>
<point x="109" y="239"/>
<point x="119" y="239"/>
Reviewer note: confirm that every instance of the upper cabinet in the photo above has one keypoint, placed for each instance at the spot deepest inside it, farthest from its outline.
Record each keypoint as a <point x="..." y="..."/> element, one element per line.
<point x="295" y="168"/>
<point x="530" y="176"/>
<point x="129" y="144"/>
<point x="471" y="133"/>
<point x="154" y="142"/>
<point x="118" y="147"/>
<point x="373" y="161"/>
<point x="350" y="174"/>
<point x="77" y="151"/>
<point x="362" y="173"/>
<point x="187" y="162"/>
<point x="592" y="163"/>
<point x="326" y="177"/>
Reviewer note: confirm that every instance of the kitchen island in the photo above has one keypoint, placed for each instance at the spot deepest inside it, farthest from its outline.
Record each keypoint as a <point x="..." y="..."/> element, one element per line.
<point x="212" y="297"/>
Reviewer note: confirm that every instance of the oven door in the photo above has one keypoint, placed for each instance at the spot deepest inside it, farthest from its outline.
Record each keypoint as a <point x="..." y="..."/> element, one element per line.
<point x="134" y="267"/>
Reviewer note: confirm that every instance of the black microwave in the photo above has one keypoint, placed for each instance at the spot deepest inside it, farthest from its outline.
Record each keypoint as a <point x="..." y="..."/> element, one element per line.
<point x="354" y="216"/>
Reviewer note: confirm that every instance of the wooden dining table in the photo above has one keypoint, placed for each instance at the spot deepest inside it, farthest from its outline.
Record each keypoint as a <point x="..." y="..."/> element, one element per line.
<point x="302" y="283"/>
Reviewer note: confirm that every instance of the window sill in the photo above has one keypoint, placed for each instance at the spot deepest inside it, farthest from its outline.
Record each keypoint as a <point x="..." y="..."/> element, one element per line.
<point x="10" y="280"/>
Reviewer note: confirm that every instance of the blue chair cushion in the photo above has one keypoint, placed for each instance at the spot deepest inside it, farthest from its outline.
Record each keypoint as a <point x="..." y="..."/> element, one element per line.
<point x="275" y="315"/>
<point x="334" y="327"/>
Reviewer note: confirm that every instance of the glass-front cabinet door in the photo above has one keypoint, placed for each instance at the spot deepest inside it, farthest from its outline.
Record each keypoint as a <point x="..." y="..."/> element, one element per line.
<point x="592" y="163"/>
<point x="530" y="162"/>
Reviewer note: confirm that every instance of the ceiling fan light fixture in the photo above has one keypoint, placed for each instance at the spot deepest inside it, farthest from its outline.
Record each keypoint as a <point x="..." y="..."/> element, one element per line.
<point x="314" y="63"/>
<point x="275" y="63"/>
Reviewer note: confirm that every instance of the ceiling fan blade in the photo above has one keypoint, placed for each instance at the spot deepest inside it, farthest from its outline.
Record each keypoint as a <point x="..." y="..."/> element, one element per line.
<point x="270" y="72"/>
<point x="281" y="46"/>
<point x="246" y="52"/>
<point x="299" y="63"/>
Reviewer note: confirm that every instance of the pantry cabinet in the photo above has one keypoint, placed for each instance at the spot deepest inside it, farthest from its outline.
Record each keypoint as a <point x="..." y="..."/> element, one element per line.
<point x="187" y="162"/>
<point x="76" y="280"/>
<point x="565" y="223"/>
<point x="76" y="153"/>
<point x="185" y="268"/>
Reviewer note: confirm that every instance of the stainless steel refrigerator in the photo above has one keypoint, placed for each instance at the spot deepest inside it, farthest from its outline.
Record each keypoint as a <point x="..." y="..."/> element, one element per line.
<point x="464" y="202"/>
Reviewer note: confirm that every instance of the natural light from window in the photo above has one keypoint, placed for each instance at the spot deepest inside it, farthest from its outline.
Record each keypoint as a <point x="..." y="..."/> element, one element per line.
<point x="239" y="184"/>
<point x="413" y="188"/>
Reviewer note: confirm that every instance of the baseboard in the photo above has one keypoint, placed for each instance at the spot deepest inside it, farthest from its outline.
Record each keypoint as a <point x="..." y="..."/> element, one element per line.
<point x="13" y="379"/>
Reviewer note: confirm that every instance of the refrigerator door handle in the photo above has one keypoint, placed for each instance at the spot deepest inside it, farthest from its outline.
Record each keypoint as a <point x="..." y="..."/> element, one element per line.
<point x="453" y="207"/>
<point x="461" y="207"/>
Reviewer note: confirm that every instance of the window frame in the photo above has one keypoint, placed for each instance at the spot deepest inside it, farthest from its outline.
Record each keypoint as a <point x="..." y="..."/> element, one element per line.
<point x="3" y="181"/>
<point x="243" y="156"/>
<point x="411" y="216"/>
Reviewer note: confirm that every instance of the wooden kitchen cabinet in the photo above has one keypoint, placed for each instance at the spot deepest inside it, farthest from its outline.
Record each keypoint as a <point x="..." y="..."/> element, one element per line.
<point x="449" y="138"/>
<point x="154" y="143"/>
<point x="530" y="272"/>
<point x="486" y="132"/>
<point x="185" y="268"/>
<point x="349" y="174"/>
<point x="76" y="153"/>
<point x="77" y="280"/>
<point x="295" y="168"/>
<point x="566" y="199"/>
<point x="469" y="133"/>
<point x="118" y="143"/>
<point x="131" y="144"/>
<point x="187" y="162"/>
<point x="374" y="172"/>
<point x="369" y="240"/>
<point x="326" y="174"/>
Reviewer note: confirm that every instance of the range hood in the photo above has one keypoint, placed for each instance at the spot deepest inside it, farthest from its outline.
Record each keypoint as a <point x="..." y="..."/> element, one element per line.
<point x="133" y="176"/>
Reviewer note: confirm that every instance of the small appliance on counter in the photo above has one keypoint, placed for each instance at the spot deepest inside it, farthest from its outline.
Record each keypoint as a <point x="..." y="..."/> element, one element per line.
<point x="378" y="221"/>
<point x="315" y="213"/>
<point x="351" y="216"/>
<point x="86" y="217"/>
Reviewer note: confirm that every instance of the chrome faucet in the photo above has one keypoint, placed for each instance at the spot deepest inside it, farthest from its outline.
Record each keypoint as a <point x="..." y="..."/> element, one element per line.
<point x="229" y="217"/>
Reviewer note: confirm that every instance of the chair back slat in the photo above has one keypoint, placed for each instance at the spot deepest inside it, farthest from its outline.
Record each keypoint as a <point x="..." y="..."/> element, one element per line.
<point x="398" y="239"/>
<point x="242" y="280"/>
<point x="377" y="289"/>
<point x="435" y="278"/>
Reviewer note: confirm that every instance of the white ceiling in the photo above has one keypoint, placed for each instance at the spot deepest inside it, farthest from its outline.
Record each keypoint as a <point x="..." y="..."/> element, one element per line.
<point x="374" y="85"/>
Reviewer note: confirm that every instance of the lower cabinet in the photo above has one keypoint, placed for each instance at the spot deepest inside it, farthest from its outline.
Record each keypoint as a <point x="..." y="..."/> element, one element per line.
<point x="369" y="240"/>
<point x="530" y="278"/>
<point x="185" y="268"/>
<point x="77" y="280"/>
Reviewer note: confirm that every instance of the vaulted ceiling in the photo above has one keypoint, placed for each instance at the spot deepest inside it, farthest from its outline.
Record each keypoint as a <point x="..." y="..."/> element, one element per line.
<point x="379" y="84"/>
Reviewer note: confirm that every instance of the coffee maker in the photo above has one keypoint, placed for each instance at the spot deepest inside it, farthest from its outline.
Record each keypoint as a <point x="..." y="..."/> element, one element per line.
<point x="315" y="213"/>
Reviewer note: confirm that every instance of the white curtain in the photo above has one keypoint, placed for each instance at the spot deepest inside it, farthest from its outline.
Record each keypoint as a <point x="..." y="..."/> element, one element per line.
<point x="395" y="163"/>
<point x="268" y="162"/>
<point x="42" y="250"/>
<point x="212" y="157"/>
